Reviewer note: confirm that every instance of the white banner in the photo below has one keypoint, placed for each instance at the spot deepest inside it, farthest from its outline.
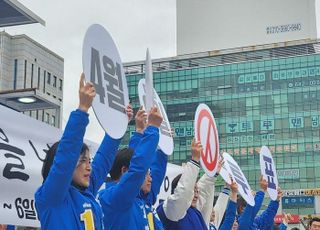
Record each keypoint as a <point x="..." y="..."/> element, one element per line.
<point x="103" y="67"/>
<point x="268" y="171"/>
<point x="165" y="190"/>
<point x="23" y="145"/>
<point x="166" y="140"/>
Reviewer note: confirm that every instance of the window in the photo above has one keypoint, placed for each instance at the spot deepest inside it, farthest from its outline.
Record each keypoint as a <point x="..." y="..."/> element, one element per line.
<point x="54" y="81"/>
<point x="38" y="78"/>
<point x="25" y="74"/>
<point x="49" y="78"/>
<point x="32" y="68"/>
<point x="44" y="80"/>
<point x="46" y="118"/>
<point x="60" y="84"/>
<point x="15" y="74"/>
<point x="53" y="120"/>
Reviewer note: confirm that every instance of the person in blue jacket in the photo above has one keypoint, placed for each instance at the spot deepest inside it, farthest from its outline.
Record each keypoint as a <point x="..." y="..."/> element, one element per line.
<point x="230" y="214"/>
<point x="127" y="201"/>
<point x="66" y="199"/>
<point x="247" y="213"/>
<point x="266" y="220"/>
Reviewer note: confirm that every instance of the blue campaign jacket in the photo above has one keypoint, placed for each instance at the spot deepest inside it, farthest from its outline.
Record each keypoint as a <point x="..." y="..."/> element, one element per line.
<point x="230" y="216"/>
<point x="266" y="220"/>
<point x="123" y="204"/>
<point x="59" y="204"/>
<point x="192" y="220"/>
<point x="247" y="218"/>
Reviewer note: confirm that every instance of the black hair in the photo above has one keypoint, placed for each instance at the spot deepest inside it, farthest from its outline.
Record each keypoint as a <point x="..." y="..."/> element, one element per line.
<point x="241" y="203"/>
<point x="175" y="182"/>
<point x="123" y="158"/>
<point x="314" y="219"/>
<point x="295" y="228"/>
<point x="48" y="161"/>
<point x="276" y="226"/>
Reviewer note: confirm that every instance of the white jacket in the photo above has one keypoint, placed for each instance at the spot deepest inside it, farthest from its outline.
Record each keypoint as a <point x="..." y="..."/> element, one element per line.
<point x="177" y="204"/>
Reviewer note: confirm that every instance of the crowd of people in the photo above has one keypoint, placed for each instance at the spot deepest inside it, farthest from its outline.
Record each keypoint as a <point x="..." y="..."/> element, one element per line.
<point x="69" y="197"/>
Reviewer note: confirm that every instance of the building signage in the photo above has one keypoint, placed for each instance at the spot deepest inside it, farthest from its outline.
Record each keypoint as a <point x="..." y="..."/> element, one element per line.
<point x="296" y="122"/>
<point x="244" y="126"/>
<point x="184" y="131"/>
<point x="252" y="78"/>
<point x="295" y="219"/>
<point x="288" y="174"/>
<point x="315" y="121"/>
<point x="283" y="28"/>
<point x="298" y="202"/>
<point x="302" y="192"/>
<point x="295" y="73"/>
<point x="266" y="125"/>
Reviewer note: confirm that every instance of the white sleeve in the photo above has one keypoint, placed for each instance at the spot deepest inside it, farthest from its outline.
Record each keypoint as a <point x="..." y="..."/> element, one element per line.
<point x="176" y="205"/>
<point x="206" y="197"/>
<point x="221" y="206"/>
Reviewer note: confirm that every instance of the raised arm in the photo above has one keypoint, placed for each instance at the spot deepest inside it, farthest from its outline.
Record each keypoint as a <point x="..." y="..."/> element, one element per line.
<point x="221" y="206"/>
<point x="102" y="162"/>
<point x="231" y="210"/>
<point x="259" y="199"/>
<point x="122" y="195"/>
<point x="177" y="204"/>
<point x="56" y="185"/>
<point x="104" y="158"/>
<point x="249" y="214"/>
<point x="158" y="171"/>
<point x="206" y="194"/>
<point x="267" y="217"/>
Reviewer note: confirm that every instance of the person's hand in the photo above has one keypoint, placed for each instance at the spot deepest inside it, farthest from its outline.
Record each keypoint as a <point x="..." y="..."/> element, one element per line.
<point x="279" y="194"/>
<point x="129" y="112"/>
<point x="86" y="94"/>
<point x="263" y="184"/>
<point x="141" y="120"/>
<point x="220" y="164"/>
<point x="287" y="218"/>
<point x="196" y="149"/>
<point x="154" y="118"/>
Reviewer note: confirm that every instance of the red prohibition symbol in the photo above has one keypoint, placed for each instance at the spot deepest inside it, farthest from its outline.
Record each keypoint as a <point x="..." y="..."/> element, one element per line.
<point x="210" y="160"/>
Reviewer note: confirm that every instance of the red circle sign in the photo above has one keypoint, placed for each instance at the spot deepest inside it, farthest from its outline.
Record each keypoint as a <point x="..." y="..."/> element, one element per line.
<point x="205" y="127"/>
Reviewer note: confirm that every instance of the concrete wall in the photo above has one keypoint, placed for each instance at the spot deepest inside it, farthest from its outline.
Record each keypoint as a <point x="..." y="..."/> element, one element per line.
<point x="204" y="25"/>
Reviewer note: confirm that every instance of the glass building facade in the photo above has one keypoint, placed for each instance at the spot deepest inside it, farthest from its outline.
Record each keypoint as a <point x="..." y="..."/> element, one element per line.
<point x="269" y="96"/>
